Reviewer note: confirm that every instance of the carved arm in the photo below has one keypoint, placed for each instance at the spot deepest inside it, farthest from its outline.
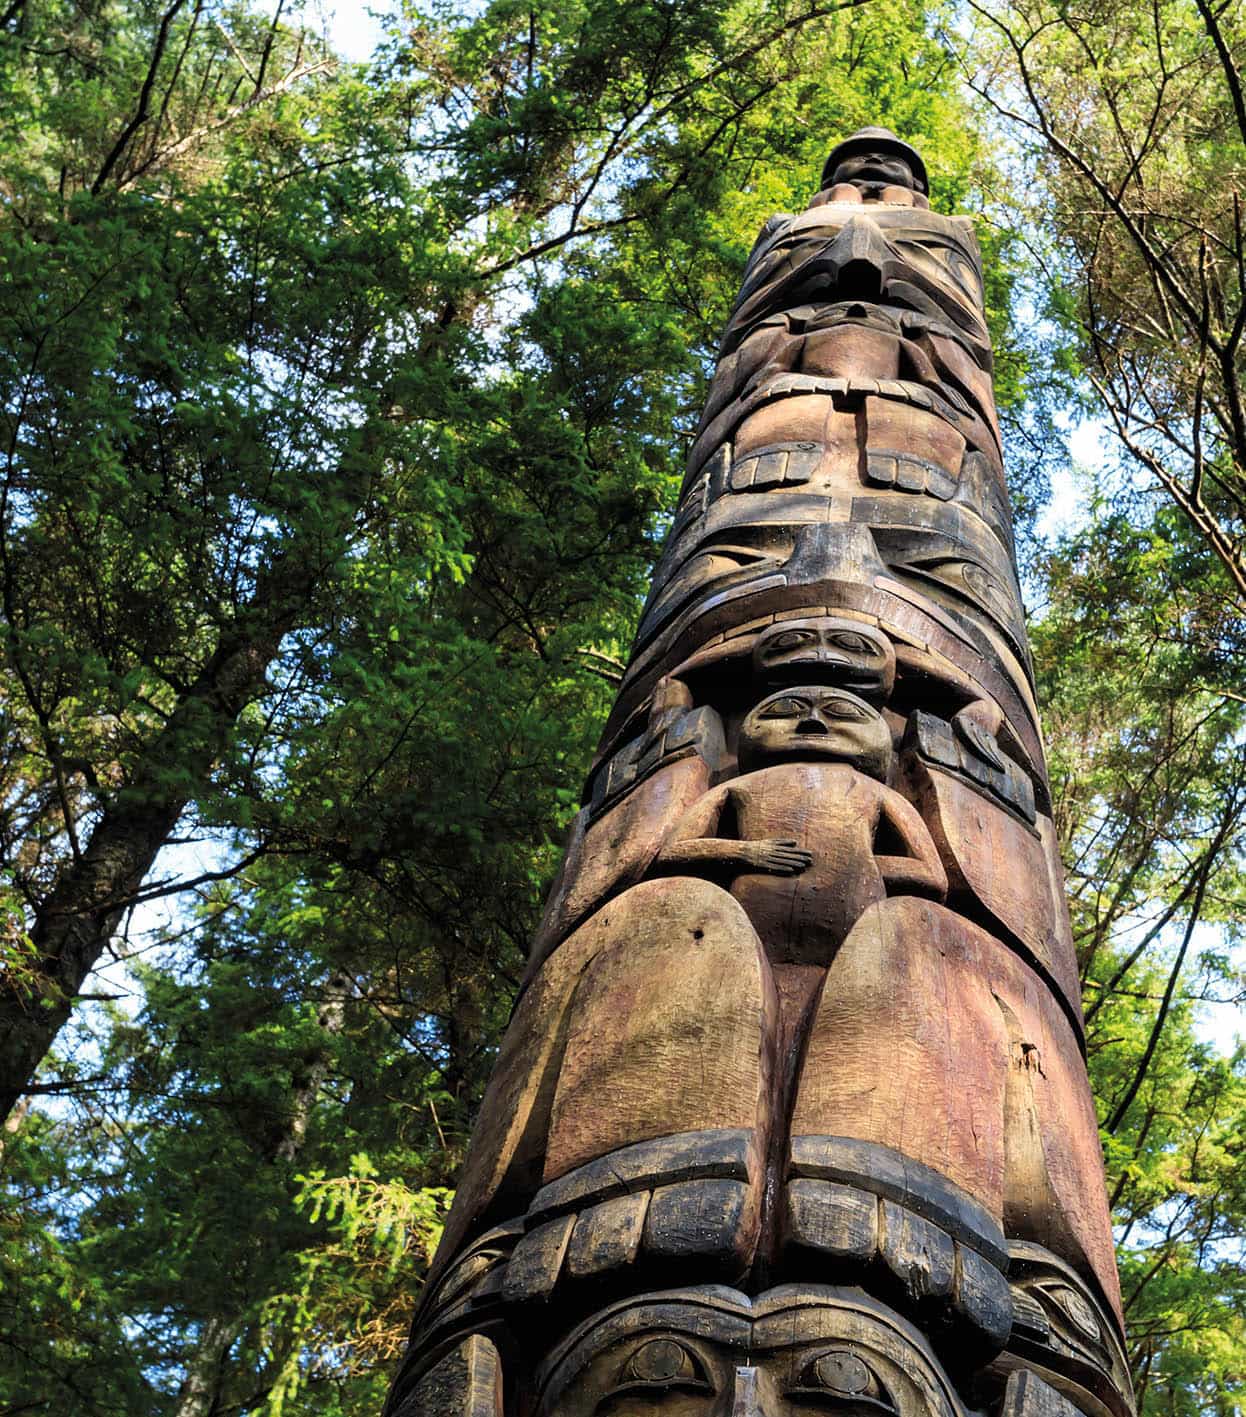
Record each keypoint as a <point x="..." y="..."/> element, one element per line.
<point x="692" y="845"/>
<point x="919" y="871"/>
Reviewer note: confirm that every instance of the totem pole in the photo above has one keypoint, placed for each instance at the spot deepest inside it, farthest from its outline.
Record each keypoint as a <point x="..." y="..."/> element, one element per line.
<point x="792" y="1115"/>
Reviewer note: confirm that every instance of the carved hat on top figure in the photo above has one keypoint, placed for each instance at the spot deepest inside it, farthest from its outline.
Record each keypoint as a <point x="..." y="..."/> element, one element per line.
<point x="876" y="155"/>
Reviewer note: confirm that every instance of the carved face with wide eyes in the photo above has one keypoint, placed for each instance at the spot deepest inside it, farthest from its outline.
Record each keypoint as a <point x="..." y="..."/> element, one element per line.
<point x="711" y="1353"/>
<point x="847" y="653"/>
<point x="813" y="721"/>
<point x="674" y="1375"/>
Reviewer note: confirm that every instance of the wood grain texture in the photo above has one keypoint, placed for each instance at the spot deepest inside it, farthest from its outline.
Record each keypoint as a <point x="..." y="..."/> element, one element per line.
<point x="830" y="1220"/>
<point x="1027" y="1395"/>
<point x="919" y="1000"/>
<point x="920" y="1254"/>
<point x="724" y="1153"/>
<point x="904" y="1019"/>
<point x="467" y="1382"/>
<point x="975" y="836"/>
<point x="537" y="1262"/>
<point x="604" y="857"/>
<point x="607" y="1236"/>
<point x="672" y="1026"/>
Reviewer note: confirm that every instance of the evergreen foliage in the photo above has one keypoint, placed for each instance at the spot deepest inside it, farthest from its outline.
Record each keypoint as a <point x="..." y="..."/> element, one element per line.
<point x="343" y="412"/>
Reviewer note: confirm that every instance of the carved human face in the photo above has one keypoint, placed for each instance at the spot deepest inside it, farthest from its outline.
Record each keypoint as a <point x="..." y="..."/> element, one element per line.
<point x="814" y="721"/>
<point x="846" y="653"/>
<point x="710" y="1352"/>
<point x="886" y="167"/>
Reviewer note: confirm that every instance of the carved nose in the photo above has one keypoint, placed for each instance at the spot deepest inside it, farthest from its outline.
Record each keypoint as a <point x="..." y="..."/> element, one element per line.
<point x="744" y="1397"/>
<point x="859" y="254"/>
<point x="812" y="725"/>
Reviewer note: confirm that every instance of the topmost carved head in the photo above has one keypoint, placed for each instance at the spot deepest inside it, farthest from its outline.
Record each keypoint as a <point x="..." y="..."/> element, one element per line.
<point x="876" y="155"/>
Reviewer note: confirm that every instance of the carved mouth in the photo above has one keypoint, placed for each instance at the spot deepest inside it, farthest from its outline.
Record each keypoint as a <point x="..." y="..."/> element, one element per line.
<point x="902" y="390"/>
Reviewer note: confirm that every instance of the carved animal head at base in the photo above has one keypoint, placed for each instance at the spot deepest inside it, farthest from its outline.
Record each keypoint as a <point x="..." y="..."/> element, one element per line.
<point x="795" y="1351"/>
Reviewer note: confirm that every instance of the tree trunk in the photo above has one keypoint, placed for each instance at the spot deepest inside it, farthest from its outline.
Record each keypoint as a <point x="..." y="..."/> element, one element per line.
<point x="200" y="1390"/>
<point x="75" y="923"/>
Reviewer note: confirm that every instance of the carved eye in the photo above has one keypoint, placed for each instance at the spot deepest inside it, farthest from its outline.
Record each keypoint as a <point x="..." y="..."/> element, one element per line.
<point x="842" y="1378"/>
<point x="1075" y="1307"/>
<point x="704" y="567"/>
<point x="975" y="582"/>
<point x="841" y="1371"/>
<point x="718" y="561"/>
<point x="982" y="581"/>
<point x="785" y="708"/>
<point x="843" y="709"/>
<point x="853" y="644"/>
<point x="662" y="1362"/>
<point x="791" y="639"/>
<point x="945" y="261"/>
<point x="964" y="272"/>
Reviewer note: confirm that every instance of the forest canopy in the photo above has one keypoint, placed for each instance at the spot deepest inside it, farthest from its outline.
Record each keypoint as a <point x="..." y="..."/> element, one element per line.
<point x="344" y="405"/>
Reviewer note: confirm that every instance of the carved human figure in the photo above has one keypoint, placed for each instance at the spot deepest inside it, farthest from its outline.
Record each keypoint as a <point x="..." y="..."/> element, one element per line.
<point x="809" y="835"/>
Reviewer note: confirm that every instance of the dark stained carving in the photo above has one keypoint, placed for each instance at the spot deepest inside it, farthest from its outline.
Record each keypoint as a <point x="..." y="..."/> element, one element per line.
<point x="792" y="1113"/>
<point x="792" y="1349"/>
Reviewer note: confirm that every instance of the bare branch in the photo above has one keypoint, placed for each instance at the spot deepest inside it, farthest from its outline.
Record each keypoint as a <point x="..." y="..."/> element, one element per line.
<point x="143" y="110"/>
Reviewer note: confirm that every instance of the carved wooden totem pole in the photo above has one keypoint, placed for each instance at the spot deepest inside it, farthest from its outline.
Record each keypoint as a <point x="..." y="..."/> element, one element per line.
<point x="792" y="1116"/>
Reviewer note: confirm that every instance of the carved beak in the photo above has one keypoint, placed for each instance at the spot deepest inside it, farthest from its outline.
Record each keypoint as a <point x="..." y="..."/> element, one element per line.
<point x="859" y="254"/>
